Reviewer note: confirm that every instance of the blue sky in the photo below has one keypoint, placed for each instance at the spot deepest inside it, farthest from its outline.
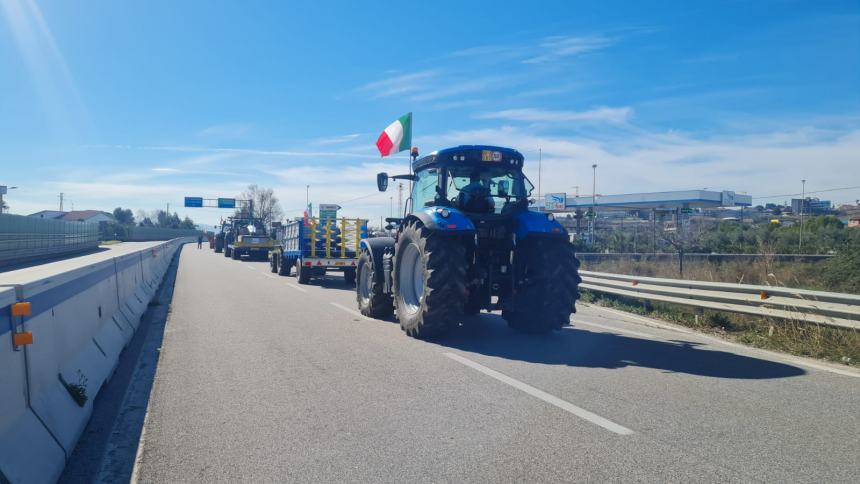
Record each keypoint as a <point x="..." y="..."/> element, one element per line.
<point x="141" y="103"/>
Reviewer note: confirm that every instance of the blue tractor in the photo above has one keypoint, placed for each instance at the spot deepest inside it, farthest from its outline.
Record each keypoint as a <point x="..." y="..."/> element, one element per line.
<point x="468" y="242"/>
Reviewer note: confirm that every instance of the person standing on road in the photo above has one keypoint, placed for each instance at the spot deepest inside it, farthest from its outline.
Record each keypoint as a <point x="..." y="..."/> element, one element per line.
<point x="200" y="241"/>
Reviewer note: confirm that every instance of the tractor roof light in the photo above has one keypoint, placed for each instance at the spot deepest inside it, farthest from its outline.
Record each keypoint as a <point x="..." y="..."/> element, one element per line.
<point x="443" y="212"/>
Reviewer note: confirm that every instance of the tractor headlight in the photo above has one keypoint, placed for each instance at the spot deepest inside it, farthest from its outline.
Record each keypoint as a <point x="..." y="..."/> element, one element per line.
<point x="443" y="212"/>
<point x="550" y="217"/>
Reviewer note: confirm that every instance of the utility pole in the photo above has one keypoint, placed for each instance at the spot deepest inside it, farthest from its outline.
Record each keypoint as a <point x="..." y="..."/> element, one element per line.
<point x="593" y="201"/>
<point x="391" y="206"/>
<point x="400" y="198"/>
<point x="307" y="195"/>
<point x="61" y="201"/>
<point x="540" y="162"/>
<point x="168" y="208"/>
<point x="802" y="208"/>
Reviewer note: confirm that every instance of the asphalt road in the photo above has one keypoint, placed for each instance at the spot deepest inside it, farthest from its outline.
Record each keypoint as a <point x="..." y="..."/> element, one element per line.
<point x="260" y="380"/>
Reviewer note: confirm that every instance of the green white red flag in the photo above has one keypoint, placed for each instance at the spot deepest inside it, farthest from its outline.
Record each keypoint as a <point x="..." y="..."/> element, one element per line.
<point x="397" y="136"/>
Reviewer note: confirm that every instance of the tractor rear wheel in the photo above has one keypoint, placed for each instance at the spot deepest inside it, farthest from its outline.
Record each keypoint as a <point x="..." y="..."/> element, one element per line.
<point x="429" y="281"/>
<point x="372" y="301"/>
<point x="547" y="288"/>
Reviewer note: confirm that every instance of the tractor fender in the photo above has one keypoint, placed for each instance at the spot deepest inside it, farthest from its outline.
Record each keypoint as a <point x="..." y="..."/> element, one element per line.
<point x="377" y="246"/>
<point x="536" y="224"/>
<point x="455" y="222"/>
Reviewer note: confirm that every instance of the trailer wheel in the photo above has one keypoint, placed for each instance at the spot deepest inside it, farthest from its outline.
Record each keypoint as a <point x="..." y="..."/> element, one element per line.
<point x="302" y="274"/>
<point x="234" y="255"/>
<point x="226" y="252"/>
<point x="283" y="267"/>
<point x="429" y="281"/>
<point x="273" y="265"/>
<point x="547" y="273"/>
<point x="372" y="302"/>
<point x="349" y="276"/>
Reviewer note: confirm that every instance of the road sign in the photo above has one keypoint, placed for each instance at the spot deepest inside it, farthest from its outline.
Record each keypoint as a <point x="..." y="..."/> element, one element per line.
<point x="686" y="210"/>
<point x="555" y="201"/>
<point x="196" y="202"/>
<point x="226" y="203"/>
<point x="328" y="210"/>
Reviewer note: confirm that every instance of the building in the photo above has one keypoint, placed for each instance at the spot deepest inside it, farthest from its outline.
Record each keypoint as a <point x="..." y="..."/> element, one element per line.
<point x="810" y="206"/>
<point x="49" y="214"/>
<point x="85" y="216"/>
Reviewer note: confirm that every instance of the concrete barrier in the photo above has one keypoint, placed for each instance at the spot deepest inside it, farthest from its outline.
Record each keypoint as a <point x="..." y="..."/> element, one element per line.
<point x="81" y="320"/>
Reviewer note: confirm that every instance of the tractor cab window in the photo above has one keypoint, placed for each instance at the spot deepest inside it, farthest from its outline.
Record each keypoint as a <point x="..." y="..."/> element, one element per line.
<point x="424" y="188"/>
<point x="486" y="189"/>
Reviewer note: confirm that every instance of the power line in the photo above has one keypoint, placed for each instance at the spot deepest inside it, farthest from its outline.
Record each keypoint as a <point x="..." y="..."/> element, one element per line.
<point x="807" y="193"/>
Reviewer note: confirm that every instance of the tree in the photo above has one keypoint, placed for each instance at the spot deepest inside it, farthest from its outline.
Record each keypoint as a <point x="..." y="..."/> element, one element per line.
<point x="266" y="206"/>
<point x="187" y="223"/>
<point x="123" y="216"/>
<point x="4" y="207"/>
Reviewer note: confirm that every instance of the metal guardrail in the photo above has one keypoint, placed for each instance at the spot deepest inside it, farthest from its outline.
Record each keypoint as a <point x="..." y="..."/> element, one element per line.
<point x="827" y="308"/>
<point x="587" y="257"/>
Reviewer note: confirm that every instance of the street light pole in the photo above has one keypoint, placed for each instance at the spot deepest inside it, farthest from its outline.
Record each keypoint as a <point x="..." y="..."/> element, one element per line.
<point x="593" y="201"/>
<point x="3" y="190"/>
<point x="802" y="207"/>
<point x="307" y="195"/>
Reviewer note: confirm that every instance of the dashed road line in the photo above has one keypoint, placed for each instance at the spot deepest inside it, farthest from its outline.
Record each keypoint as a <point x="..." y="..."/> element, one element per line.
<point x="297" y="288"/>
<point x="350" y="311"/>
<point x="542" y="395"/>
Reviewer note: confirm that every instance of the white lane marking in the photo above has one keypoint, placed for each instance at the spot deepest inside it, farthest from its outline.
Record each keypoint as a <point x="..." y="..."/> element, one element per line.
<point x="616" y="330"/>
<point x="717" y="341"/>
<point x="252" y="268"/>
<point x="542" y="395"/>
<point x="297" y="288"/>
<point x="350" y="311"/>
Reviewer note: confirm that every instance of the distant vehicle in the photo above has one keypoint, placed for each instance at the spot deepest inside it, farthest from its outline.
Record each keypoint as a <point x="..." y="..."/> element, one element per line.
<point x="318" y="246"/>
<point x="468" y="242"/>
<point x="247" y="237"/>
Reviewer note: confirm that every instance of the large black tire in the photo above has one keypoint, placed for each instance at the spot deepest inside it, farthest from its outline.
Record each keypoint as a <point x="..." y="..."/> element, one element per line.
<point x="227" y="251"/>
<point x="283" y="267"/>
<point x="234" y="255"/>
<point x="375" y="303"/>
<point x="273" y="264"/>
<point x="302" y="274"/>
<point x="430" y="303"/>
<point x="547" y="274"/>
<point x="349" y="276"/>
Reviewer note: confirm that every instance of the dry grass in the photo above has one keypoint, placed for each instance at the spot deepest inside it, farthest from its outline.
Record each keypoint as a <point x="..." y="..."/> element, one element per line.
<point x="800" y="275"/>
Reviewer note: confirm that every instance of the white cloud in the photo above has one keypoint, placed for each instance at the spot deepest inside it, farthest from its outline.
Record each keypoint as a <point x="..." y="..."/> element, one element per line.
<point x="598" y="115"/>
<point x="558" y="47"/>
<point x="399" y="85"/>
<point x="333" y="140"/>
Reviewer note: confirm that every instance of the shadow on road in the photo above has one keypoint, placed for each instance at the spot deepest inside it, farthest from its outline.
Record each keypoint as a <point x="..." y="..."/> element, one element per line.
<point x="489" y="335"/>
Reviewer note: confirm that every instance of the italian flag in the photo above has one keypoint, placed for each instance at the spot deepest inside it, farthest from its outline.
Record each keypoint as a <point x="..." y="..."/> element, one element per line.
<point x="396" y="137"/>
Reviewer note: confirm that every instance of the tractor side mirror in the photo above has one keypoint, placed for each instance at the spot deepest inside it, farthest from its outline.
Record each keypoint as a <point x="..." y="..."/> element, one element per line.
<point x="382" y="181"/>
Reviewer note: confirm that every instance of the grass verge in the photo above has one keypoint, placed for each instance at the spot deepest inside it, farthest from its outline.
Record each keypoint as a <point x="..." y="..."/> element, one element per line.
<point x="793" y="337"/>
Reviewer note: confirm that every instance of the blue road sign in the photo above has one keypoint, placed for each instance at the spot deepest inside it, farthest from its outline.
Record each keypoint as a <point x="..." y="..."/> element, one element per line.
<point x="226" y="203"/>
<point x="194" y="202"/>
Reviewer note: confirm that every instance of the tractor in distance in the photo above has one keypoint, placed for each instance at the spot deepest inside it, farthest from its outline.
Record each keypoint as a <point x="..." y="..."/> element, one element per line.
<point x="468" y="242"/>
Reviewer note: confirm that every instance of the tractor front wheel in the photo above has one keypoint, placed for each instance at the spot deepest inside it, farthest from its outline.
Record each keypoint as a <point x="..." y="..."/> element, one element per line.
<point x="547" y="287"/>
<point x="429" y="281"/>
<point x="372" y="301"/>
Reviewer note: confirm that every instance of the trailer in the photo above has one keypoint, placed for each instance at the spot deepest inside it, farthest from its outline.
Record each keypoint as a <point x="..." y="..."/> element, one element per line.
<point x="314" y="246"/>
